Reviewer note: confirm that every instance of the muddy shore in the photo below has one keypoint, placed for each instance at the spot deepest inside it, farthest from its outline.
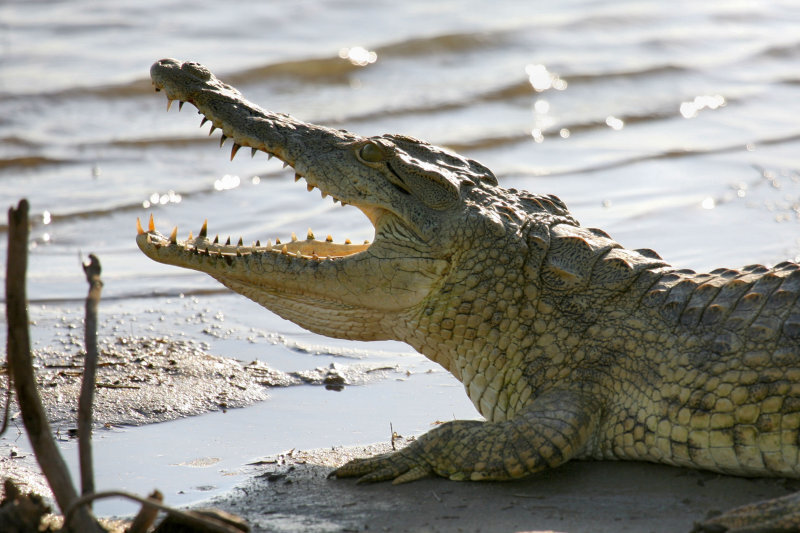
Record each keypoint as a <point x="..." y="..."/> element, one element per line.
<point x="146" y="380"/>
<point x="291" y="492"/>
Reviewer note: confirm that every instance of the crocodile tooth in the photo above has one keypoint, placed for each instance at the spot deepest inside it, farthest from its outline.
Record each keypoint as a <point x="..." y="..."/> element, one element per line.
<point x="329" y="239"/>
<point x="269" y="244"/>
<point x="173" y="237"/>
<point x="297" y="177"/>
<point x="347" y="241"/>
<point x="269" y="156"/>
<point x="299" y="254"/>
<point x="285" y="250"/>
<point x="277" y="241"/>
<point x="240" y="243"/>
<point x="139" y="229"/>
<point x="222" y="140"/>
<point x="228" y="242"/>
<point x="234" y="149"/>
<point x="253" y="152"/>
<point x="216" y="239"/>
<point x="169" y="103"/>
<point x="204" y="230"/>
<point x="149" y="239"/>
<point x="285" y="164"/>
<point x="180" y="105"/>
<point x="258" y="243"/>
<point x="294" y="237"/>
<point x="151" y="226"/>
<point x="310" y="235"/>
<point x="191" y="237"/>
<point x="323" y="193"/>
<point x="309" y="187"/>
<point x="213" y="127"/>
<point x="203" y="122"/>
<point x="314" y="256"/>
<point x="158" y="89"/>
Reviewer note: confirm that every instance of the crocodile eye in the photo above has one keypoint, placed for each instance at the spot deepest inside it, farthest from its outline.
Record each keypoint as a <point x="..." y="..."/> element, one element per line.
<point x="371" y="153"/>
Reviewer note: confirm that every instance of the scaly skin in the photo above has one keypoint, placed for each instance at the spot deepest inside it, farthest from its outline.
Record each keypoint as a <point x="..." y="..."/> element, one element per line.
<point x="568" y="344"/>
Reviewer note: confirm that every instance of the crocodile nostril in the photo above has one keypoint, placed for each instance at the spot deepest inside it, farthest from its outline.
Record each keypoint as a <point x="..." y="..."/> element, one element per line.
<point x="197" y="70"/>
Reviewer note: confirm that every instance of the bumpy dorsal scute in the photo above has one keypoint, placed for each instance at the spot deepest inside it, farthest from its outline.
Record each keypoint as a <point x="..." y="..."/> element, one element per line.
<point x="536" y="204"/>
<point x="572" y="256"/>
<point x="649" y="253"/>
<point x="619" y="268"/>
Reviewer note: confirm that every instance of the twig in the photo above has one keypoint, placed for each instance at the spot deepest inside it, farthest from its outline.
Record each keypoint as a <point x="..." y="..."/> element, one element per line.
<point x="21" y="370"/>
<point x="116" y="386"/>
<point x="7" y="408"/>
<point x="92" y="271"/>
<point x="147" y="514"/>
<point x="207" y="525"/>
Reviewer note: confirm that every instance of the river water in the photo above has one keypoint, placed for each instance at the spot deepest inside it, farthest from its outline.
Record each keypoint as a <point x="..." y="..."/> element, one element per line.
<point x="671" y="125"/>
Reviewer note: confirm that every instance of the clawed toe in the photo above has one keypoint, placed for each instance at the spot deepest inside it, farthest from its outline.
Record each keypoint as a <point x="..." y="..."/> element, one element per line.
<point x="393" y="466"/>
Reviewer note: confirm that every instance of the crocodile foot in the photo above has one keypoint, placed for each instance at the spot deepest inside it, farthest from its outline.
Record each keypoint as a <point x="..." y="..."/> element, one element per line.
<point x="545" y="435"/>
<point x="774" y="516"/>
<point x="400" y="467"/>
<point x="439" y="451"/>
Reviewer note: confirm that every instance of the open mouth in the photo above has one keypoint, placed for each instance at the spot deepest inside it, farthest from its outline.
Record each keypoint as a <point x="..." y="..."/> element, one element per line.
<point x="308" y="248"/>
<point x="340" y="289"/>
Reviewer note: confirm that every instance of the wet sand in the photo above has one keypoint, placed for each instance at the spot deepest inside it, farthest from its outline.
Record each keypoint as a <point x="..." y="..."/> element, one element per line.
<point x="146" y="380"/>
<point x="291" y="492"/>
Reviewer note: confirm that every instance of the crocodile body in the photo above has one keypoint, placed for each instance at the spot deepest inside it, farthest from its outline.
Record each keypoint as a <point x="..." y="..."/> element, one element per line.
<point x="569" y="345"/>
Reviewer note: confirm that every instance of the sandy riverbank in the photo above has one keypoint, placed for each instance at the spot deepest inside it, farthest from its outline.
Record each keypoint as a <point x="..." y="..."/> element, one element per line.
<point x="291" y="492"/>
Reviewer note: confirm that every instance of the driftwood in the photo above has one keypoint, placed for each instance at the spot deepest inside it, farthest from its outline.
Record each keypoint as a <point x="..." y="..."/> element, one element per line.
<point x="24" y="513"/>
<point x="177" y="521"/>
<point x="20" y="370"/>
<point x="92" y="271"/>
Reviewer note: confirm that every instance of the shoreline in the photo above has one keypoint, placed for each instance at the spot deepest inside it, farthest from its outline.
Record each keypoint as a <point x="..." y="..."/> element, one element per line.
<point x="291" y="492"/>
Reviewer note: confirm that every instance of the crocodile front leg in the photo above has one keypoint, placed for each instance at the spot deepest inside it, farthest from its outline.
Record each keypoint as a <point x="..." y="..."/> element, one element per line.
<point x="552" y="430"/>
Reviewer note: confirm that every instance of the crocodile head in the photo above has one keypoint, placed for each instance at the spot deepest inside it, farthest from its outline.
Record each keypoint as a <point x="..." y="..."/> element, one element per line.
<point x="427" y="206"/>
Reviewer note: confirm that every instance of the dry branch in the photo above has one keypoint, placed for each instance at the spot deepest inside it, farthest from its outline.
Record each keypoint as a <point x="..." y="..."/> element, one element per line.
<point x="21" y="371"/>
<point x="7" y="408"/>
<point x="22" y="513"/>
<point x="92" y="271"/>
<point x="199" y="521"/>
<point x="147" y="514"/>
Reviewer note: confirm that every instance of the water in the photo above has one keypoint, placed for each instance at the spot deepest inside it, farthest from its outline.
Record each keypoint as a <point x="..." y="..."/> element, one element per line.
<point x="671" y="125"/>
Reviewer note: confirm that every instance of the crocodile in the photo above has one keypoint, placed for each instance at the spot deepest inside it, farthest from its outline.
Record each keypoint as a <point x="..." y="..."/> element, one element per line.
<point x="569" y="345"/>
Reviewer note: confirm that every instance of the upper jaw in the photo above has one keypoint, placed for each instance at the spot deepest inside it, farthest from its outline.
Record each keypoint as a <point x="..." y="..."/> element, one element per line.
<point x="298" y="144"/>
